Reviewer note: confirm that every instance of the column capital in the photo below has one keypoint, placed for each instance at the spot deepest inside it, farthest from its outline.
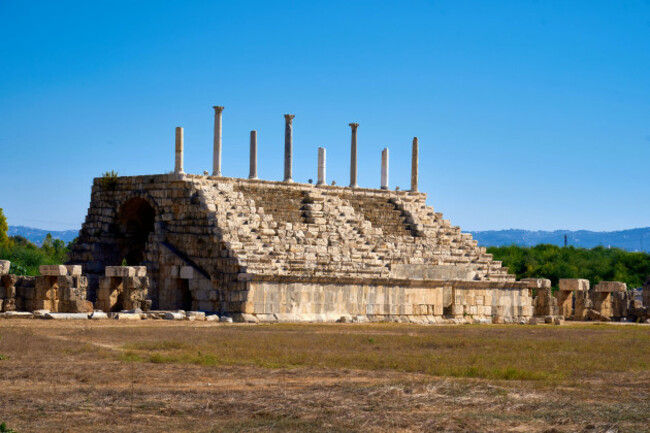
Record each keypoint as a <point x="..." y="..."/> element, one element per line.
<point x="218" y="109"/>
<point x="289" y="117"/>
<point x="354" y="125"/>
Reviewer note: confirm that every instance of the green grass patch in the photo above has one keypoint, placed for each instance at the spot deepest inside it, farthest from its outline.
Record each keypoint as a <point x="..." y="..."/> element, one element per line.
<point x="532" y="353"/>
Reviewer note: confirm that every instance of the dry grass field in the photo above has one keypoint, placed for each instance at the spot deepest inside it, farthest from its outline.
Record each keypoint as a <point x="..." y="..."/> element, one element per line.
<point x="164" y="376"/>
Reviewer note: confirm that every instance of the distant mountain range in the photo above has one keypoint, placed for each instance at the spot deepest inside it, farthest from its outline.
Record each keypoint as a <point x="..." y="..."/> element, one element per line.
<point x="630" y="240"/>
<point x="37" y="235"/>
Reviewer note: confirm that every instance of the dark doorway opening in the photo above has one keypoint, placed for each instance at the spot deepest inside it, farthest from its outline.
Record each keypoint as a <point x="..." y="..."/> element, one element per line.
<point x="184" y="295"/>
<point x="136" y="220"/>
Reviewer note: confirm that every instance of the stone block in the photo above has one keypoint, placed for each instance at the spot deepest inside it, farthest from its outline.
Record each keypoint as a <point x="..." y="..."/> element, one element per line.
<point x="574" y="285"/>
<point x="174" y="315"/>
<point x="74" y="270"/>
<point x="53" y="270"/>
<point x="66" y="316"/>
<point x="5" y="265"/>
<point x="610" y="287"/>
<point x="199" y="316"/>
<point x="537" y="283"/>
<point x="187" y="272"/>
<point x="120" y="271"/>
<point x="18" y="315"/>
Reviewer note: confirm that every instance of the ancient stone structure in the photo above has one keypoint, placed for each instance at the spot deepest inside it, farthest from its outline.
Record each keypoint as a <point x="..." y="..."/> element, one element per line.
<point x="544" y="303"/>
<point x="123" y="288"/>
<point x="254" y="250"/>
<point x="263" y="250"/>
<point x="353" y="156"/>
<point x="58" y="288"/>
<point x="178" y="168"/>
<point x="216" y="160"/>
<point x="384" y="169"/>
<point x="414" y="165"/>
<point x="253" y="156"/>
<point x="288" y="147"/>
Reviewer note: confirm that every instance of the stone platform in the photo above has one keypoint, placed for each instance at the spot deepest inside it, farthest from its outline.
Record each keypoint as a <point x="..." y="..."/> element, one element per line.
<point x="292" y="251"/>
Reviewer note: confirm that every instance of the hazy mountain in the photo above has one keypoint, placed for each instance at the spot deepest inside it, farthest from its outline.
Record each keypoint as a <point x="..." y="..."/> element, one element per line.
<point x="37" y="235"/>
<point x="630" y="240"/>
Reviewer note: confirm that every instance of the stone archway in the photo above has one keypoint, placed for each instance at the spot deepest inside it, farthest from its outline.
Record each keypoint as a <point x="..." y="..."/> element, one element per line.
<point x="135" y="221"/>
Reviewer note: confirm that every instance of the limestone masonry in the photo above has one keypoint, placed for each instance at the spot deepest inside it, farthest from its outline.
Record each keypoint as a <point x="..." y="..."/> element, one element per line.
<point x="256" y="250"/>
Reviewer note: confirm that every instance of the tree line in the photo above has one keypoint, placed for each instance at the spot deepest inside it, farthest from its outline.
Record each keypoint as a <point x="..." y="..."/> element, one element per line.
<point x="595" y="264"/>
<point x="25" y="256"/>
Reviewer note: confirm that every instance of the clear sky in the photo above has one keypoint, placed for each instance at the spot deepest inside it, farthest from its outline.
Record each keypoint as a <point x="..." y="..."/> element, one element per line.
<point x="530" y="114"/>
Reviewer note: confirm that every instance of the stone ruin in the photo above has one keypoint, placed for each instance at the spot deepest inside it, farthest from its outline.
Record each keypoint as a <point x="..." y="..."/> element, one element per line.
<point x="268" y="251"/>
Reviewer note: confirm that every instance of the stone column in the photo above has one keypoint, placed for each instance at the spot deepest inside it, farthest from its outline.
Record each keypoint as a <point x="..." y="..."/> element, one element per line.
<point x="384" y="169"/>
<point x="216" y="161"/>
<point x="414" y="166"/>
<point x="288" y="146"/>
<point x="178" y="169"/>
<point x="353" y="156"/>
<point x="321" y="167"/>
<point x="253" y="169"/>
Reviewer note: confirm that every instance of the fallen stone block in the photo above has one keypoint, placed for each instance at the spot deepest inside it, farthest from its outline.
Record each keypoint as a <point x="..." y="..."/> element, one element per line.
<point x="597" y="316"/>
<point x="40" y="314"/>
<point x="610" y="287"/>
<point x="18" y="315"/>
<point x="212" y="318"/>
<point x="53" y="270"/>
<point x="199" y="316"/>
<point x="225" y="319"/>
<point x="125" y="316"/>
<point x="98" y="315"/>
<point x="67" y="316"/>
<point x="173" y="315"/>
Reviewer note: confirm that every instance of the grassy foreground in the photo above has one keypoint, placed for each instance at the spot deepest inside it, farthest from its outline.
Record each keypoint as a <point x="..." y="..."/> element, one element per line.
<point x="166" y="376"/>
<point x="546" y="354"/>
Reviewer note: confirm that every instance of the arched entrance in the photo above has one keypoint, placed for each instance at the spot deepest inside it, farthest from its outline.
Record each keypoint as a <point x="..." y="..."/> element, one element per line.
<point x="136" y="220"/>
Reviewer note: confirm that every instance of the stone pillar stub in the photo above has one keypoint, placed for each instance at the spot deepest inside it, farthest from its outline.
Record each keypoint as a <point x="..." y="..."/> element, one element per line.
<point x="414" y="166"/>
<point x="178" y="168"/>
<point x="384" y="168"/>
<point x="216" y="161"/>
<point x="321" y="167"/>
<point x="5" y="265"/>
<point x="288" y="146"/>
<point x="353" y="156"/>
<point x="253" y="166"/>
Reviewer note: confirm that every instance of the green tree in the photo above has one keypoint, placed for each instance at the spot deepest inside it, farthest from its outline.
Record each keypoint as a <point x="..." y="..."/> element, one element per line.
<point x="4" y="228"/>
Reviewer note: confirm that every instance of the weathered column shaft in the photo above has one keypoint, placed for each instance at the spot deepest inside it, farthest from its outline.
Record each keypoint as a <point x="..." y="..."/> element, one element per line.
<point x="288" y="146"/>
<point x="353" y="156"/>
<point x="253" y="168"/>
<point x="414" y="166"/>
<point x="178" y="169"/>
<point x="384" y="169"/>
<point x="321" y="167"/>
<point x="216" y="161"/>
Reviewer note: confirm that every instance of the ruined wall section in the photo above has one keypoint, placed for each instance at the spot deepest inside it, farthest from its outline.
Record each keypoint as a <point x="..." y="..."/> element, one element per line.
<point x="185" y="232"/>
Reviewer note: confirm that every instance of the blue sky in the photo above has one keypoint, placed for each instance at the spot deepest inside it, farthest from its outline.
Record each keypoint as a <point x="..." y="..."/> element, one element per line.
<point x="530" y="114"/>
